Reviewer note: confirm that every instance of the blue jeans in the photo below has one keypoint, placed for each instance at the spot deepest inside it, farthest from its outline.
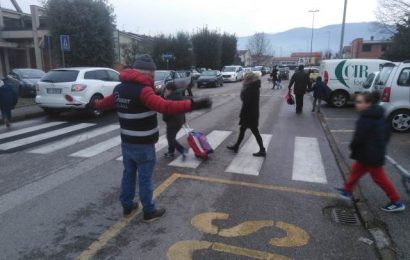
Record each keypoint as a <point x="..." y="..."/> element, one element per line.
<point x="139" y="158"/>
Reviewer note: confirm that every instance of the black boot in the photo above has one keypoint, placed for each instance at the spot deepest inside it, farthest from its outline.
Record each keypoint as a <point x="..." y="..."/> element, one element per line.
<point x="156" y="214"/>
<point x="261" y="153"/>
<point x="233" y="148"/>
<point x="128" y="211"/>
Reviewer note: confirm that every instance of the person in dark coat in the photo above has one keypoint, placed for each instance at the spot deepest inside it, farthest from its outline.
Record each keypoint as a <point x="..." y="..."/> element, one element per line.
<point x="8" y="101"/>
<point x="369" y="149"/>
<point x="274" y="76"/>
<point x="174" y="122"/>
<point x="249" y="116"/>
<point x="302" y="83"/>
<point x="319" y="93"/>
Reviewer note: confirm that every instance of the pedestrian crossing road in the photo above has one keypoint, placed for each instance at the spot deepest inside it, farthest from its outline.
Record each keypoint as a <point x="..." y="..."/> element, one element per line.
<point x="41" y="139"/>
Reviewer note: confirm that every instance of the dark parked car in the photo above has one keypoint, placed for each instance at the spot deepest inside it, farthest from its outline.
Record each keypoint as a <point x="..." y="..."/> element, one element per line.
<point x="210" y="78"/>
<point x="24" y="81"/>
<point x="182" y="79"/>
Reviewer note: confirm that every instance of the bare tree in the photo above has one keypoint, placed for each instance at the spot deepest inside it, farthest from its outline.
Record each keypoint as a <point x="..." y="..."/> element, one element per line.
<point x="392" y="12"/>
<point x="259" y="46"/>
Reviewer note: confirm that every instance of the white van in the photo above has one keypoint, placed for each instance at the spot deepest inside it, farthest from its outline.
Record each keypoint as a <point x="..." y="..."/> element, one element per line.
<point x="346" y="77"/>
<point x="233" y="73"/>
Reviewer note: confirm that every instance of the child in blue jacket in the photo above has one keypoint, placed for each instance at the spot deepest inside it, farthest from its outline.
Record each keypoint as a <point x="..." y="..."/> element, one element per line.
<point x="319" y="93"/>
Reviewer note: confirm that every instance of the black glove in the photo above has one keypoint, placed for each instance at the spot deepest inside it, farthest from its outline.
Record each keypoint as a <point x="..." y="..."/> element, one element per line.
<point x="201" y="103"/>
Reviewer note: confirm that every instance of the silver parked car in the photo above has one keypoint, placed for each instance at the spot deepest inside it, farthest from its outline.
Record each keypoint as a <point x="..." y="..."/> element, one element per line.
<point x="394" y="83"/>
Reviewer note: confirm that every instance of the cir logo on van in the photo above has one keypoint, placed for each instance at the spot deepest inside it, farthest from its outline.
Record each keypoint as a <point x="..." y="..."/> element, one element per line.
<point x="344" y="72"/>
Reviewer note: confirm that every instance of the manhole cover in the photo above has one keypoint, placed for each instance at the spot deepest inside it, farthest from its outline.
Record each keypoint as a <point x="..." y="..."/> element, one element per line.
<point x="344" y="216"/>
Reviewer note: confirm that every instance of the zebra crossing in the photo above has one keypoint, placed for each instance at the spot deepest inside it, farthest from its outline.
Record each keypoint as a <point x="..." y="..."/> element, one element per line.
<point x="311" y="170"/>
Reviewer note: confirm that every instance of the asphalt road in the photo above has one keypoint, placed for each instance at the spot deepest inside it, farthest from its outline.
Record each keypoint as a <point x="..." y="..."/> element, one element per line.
<point x="59" y="188"/>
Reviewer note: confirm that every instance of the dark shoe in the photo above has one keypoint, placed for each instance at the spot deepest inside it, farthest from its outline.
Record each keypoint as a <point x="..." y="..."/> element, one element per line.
<point x="7" y="123"/>
<point x="156" y="214"/>
<point x="128" y="211"/>
<point x="169" y="155"/>
<point x="345" y="195"/>
<point x="394" y="207"/>
<point x="261" y="153"/>
<point x="233" y="148"/>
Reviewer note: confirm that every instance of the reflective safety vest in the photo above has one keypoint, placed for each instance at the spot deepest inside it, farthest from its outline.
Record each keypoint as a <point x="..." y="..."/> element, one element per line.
<point x="138" y="123"/>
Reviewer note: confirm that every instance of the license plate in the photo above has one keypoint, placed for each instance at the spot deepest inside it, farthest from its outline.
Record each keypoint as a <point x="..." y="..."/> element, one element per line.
<point x="54" y="91"/>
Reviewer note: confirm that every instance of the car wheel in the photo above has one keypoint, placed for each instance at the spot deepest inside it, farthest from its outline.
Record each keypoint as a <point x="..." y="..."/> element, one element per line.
<point x="339" y="99"/>
<point x="400" y="121"/>
<point x="51" y="112"/>
<point x="96" y="112"/>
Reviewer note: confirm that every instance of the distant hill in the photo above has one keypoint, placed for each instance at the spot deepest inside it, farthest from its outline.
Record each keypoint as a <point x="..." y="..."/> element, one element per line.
<point x="298" y="39"/>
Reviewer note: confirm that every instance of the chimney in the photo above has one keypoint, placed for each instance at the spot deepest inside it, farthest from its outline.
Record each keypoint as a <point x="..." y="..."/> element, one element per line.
<point x="372" y="38"/>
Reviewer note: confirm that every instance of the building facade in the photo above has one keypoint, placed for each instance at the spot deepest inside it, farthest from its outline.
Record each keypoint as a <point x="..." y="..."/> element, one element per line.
<point x="308" y="58"/>
<point x="21" y="39"/>
<point x="371" y="49"/>
<point x="245" y="57"/>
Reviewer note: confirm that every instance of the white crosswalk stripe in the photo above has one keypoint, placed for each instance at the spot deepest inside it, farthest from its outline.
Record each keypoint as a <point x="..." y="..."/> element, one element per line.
<point x="43" y="136"/>
<point x="29" y="129"/>
<point x="98" y="148"/>
<point x="162" y="142"/>
<point x="307" y="161"/>
<point x="215" y="138"/>
<point x="244" y="162"/>
<point x="49" y="148"/>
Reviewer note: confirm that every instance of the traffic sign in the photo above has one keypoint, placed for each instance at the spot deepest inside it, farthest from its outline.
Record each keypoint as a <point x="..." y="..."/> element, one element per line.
<point x="167" y="56"/>
<point x="65" y="43"/>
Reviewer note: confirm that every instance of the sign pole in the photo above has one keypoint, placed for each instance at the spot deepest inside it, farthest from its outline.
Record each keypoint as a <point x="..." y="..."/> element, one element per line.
<point x="49" y="53"/>
<point x="62" y="58"/>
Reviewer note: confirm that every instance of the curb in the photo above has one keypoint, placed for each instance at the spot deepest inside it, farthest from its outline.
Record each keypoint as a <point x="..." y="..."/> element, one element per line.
<point x="27" y="116"/>
<point x="375" y="226"/>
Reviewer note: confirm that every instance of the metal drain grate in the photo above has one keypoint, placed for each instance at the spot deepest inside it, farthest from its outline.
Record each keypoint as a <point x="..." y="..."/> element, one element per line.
<point x="345" y="216"/>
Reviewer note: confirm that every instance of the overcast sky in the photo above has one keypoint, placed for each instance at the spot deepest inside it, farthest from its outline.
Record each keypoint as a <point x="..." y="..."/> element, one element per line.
<point x="243" y="17"/>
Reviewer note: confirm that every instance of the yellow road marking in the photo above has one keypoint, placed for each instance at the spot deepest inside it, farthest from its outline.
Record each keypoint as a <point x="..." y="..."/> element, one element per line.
<point x="203" y="222"/>
<point x="184" y="250"/>
<point x="258" y="186"/>
<point x="295" y="236"/>
<point x="114" y="230"/>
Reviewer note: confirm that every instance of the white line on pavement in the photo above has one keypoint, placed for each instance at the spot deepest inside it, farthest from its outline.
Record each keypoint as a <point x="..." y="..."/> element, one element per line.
<point x="244" y="162"/>
<point x="162" y="142"/>
<point x="29" y="129"/>
<point x="49" y="148"/>
<point x="98" y="148"/>
<point x="40" y="137"/>
<point x="215" y="138"/>
<point x="307" y="161"/>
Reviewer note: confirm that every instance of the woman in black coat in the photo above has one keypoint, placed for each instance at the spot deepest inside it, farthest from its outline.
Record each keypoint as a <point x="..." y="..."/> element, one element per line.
<point x="249" y="116"/>
<point x="8" y="100"/>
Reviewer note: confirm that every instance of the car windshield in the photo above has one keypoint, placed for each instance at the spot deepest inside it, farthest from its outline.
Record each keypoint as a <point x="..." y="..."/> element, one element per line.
<point x="59" y="76"/>
<point x="257" y="69"/>
<point x="209" y="73"/>
<point x="384" y="75"/>
<point x="161" y="75"/>
<point x="31" y="74"/>
<point x="229" y="69"/>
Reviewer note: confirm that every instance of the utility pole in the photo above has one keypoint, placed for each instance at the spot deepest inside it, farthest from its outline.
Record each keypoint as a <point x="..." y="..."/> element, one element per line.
<point x="342" y="36"/>
<point x="313" y="27"/>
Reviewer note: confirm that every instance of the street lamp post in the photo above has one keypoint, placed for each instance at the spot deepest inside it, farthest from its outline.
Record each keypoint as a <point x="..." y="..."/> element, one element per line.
<point x="342" y="36"/>
<point x="313" y="26"/>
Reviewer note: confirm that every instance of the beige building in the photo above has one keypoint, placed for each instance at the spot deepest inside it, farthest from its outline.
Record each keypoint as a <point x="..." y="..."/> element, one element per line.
<point x="21" y="38"/>
<point x="245" y="57"/>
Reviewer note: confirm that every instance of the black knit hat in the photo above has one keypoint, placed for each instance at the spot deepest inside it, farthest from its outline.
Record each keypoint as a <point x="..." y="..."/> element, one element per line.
<point x="144" y="62"/>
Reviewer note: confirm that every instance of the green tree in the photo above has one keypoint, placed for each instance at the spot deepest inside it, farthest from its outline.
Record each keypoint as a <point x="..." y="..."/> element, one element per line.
<point x="207" y="47"/>
<point x="400" y="49"/>
<point x="228" y="49"/>
<point x="90" y="25"/>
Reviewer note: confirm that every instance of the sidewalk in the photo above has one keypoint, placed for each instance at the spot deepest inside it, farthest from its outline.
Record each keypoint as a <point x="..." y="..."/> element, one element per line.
<point x="341" y="125"/>
<point x="26" y="112"/>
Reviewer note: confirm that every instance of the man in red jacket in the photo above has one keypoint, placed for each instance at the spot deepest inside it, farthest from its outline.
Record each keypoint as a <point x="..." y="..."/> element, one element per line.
<point x="137" y="106"/>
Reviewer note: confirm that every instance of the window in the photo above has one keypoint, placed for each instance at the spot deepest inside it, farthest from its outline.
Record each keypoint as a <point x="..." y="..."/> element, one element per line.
<point x="366" y="48"/>
<point x="97" y="75"/>
<point x="368" y="83"/>
<point x="59" y="76"/>
<point x="113" y="76"/>
<point x="404" y="78"/>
